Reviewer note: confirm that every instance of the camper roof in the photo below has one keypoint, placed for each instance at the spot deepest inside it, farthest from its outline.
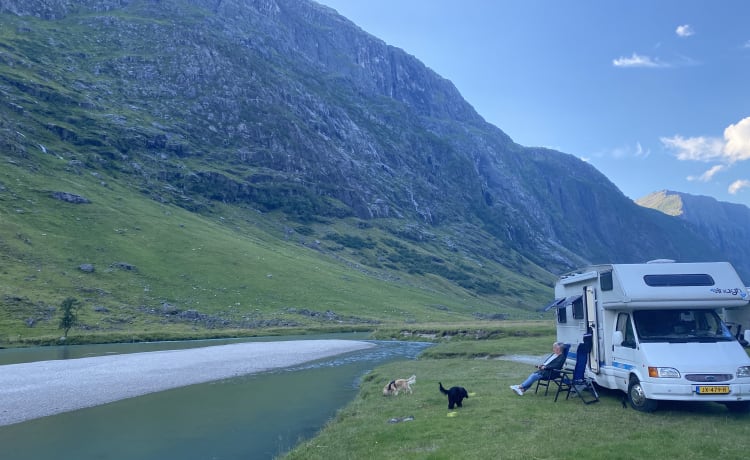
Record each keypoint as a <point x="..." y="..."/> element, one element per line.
<point x="706" y="284"/>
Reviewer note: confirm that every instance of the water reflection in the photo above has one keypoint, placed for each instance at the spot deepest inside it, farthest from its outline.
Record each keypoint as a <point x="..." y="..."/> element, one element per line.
<point x="252" y="417"/>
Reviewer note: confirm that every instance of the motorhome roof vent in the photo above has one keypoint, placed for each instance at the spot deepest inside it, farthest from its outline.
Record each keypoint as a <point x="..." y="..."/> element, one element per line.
<point x="660" y="261"/>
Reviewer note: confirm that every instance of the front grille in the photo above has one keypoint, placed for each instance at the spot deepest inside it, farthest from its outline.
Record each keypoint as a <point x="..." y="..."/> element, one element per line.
<point x="709" y="378"/>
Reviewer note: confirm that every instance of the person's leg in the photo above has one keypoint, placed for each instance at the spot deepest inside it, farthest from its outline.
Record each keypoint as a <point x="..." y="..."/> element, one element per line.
<point x="533" y="377"/>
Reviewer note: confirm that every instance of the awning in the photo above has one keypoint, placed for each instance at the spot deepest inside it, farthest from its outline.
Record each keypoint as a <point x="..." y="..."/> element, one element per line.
<point x="554" y="304"/>
<point x="561" y="302"/>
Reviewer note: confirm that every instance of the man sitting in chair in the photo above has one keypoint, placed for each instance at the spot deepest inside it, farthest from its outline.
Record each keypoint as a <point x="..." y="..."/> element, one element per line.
<point x="545" y="370"/>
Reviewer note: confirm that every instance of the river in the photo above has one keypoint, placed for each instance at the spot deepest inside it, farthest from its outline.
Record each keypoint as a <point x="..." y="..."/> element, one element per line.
<point x="258" y="416"/>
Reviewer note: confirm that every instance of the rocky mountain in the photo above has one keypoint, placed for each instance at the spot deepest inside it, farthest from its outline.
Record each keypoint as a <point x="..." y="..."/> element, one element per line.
<point x="725" y="225"/>
<point x="285" y="107"/>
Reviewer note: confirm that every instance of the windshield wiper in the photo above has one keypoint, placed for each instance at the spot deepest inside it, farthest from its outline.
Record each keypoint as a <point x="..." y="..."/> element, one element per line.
<point x="656" y="338"/>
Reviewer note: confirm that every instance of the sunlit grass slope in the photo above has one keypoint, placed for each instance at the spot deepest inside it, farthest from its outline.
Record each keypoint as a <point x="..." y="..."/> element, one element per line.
<point x="159" y="269"/>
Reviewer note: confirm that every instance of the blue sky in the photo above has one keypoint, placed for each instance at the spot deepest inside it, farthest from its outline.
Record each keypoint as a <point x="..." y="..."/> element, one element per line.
<point x="654" y="93"/>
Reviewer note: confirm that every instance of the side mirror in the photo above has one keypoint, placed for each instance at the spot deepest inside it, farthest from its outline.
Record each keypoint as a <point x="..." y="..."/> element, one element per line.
<point x="617" y="338"/>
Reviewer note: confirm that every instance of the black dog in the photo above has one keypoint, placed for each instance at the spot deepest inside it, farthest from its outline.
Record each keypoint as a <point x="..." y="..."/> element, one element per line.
<point x="455" y="395"/>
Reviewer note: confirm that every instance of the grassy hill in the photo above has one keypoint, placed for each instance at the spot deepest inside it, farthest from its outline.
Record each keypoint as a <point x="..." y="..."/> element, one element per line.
<point x="145" y="270"/>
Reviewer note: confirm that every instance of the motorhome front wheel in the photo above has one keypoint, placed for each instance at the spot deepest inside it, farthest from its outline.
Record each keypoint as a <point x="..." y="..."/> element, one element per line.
<point x="637" y="397"/>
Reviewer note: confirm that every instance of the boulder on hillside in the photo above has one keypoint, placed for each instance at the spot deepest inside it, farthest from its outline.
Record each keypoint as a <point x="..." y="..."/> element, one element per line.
<point x="87" y="268"/>
<point x="70" y="197"/>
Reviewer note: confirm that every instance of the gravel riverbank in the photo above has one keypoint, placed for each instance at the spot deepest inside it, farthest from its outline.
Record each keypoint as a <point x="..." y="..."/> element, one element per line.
<point x="39" y="389"/>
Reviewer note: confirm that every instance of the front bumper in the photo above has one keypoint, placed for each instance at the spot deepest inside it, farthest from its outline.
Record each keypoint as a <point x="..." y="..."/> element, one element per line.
<point x="687" y="391"/>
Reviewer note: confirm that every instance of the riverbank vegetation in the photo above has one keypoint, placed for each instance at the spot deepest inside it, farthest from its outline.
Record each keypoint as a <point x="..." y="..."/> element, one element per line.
<point x="496" y="423"/>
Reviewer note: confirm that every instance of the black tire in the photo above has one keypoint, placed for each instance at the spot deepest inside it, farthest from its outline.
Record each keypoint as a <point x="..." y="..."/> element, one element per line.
<point x="738" y="407"/>
<point x="637" y="397"/>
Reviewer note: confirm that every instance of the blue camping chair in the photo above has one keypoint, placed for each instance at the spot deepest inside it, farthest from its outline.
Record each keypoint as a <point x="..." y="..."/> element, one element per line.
<point x="575" y="381"/>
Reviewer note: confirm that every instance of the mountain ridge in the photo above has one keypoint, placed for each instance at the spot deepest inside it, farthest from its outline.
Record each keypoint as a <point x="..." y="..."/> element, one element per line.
<point x="286" y="110"/>
<point x="725" y="224"/>
<point x="374" y="176"/>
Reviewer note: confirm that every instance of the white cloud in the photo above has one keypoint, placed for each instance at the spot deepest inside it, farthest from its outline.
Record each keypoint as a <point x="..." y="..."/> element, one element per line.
<point x="619" y="152"/>
<point x="708" y="175"/>
<point x="737" y="136"/>
<point x="626" y="151"/>
<point x="747" y="44"/>
<point x="640" y="151"/>
<point x="738" y="185"/>
<point x="684" y="61"/>
<point x="695" y="148"/>
<point x="636" y="60"/>
<point x="734" y="147"/>
<point x="684" y="31"/>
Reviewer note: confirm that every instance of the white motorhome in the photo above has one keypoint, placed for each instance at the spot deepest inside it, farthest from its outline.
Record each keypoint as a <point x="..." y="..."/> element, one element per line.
<point x="657" y="333"/>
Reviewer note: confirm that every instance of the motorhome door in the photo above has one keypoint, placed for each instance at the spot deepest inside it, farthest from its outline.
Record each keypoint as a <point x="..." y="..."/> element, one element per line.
<point x="589" y="298"/>
<point x="624" y="348"/>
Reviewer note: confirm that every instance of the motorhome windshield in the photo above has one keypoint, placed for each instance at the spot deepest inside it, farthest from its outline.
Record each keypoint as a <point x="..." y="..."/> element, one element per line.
<point x="680" y="326"/>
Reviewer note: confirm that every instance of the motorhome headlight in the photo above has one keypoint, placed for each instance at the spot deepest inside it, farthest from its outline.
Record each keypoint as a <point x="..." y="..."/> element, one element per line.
<point x="743" y="371"/>
<point x="663" y="372"/>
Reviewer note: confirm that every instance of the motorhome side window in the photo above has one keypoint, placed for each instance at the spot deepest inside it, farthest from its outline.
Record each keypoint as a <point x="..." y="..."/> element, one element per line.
<point x="578" y="308"/>
<point x="562" y="314"/>
<point x="605" y="281"/>
<point x="624" y="326"/>
<point x="680" y="279"/>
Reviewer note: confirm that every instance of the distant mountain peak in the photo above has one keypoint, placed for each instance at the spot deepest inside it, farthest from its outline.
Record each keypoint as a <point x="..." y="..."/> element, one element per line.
<point x="666" y="201"/>
<point x="722" y="224"/>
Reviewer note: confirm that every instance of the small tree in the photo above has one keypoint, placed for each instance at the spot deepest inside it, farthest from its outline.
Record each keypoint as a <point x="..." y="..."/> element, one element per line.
<point x="69" y="315"/>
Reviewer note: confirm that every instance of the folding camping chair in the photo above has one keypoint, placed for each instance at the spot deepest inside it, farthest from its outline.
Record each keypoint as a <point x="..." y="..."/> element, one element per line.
<point x="575" y="381"/>
<point x="555" y="376"/>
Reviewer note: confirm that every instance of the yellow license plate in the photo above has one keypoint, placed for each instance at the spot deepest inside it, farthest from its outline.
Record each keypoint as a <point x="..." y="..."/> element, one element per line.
<point x="712" y="390"/>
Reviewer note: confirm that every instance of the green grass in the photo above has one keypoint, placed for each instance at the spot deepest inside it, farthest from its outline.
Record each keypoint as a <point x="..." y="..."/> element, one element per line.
<point x="242" y="269"/>
<point x="496" y="423"/>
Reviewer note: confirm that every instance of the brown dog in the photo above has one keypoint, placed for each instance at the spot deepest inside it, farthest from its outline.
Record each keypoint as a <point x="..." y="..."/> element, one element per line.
<point x="394" y="386"/>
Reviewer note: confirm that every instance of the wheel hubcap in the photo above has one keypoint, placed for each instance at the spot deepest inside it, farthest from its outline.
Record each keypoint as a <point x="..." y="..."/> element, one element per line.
<point x="636" y="395"/>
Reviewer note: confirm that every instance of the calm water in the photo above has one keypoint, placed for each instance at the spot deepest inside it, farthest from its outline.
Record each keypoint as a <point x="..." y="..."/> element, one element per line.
<point x="257" y="416"/>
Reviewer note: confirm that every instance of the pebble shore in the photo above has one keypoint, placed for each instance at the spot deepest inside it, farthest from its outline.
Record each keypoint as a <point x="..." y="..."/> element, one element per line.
<point x="39" y="389"/>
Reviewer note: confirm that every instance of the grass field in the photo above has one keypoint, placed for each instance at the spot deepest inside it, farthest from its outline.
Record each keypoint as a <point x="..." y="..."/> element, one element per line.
<point x="495" y="423"/>
<point x="159" y="271"/>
